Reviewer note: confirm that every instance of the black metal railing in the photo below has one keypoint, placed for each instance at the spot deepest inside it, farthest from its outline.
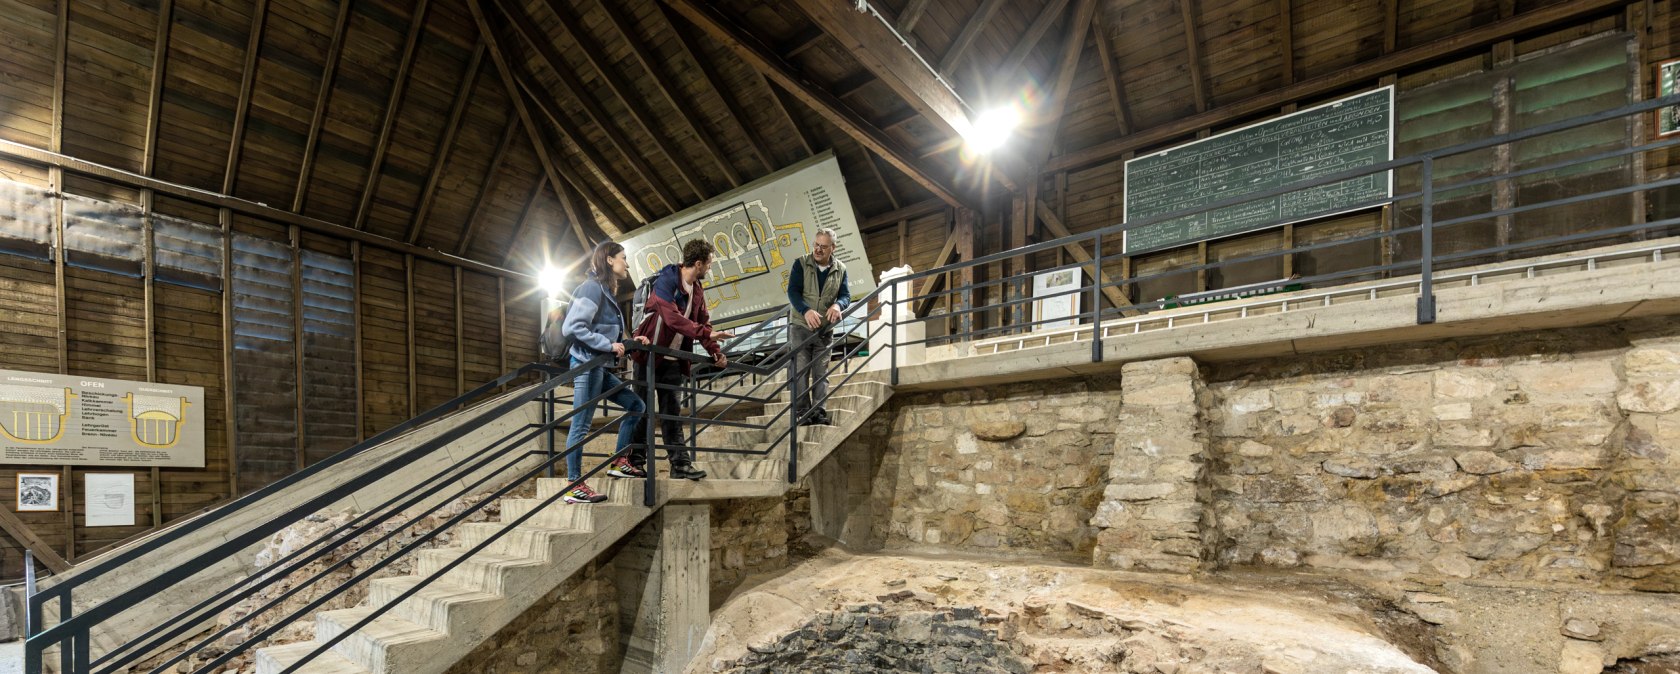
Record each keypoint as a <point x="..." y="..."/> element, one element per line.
<point x="715" y="399"/>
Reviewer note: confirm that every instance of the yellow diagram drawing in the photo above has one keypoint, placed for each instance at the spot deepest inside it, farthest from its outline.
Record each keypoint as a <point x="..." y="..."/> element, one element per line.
<point x="33" y="414"/>
<point x="156" y="420"/>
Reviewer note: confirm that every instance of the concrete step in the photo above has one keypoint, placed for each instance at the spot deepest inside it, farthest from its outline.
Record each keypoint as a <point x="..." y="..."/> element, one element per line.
<point x="521" y="541"/>
<point x="483" y="572"/>
<point x="276" y="659"/>
<point x="387" y="645"/>
<point x="433" y="605"/>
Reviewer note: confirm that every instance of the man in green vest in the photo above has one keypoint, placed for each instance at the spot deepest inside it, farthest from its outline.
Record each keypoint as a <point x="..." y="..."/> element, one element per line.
<point x="817" y="293"/>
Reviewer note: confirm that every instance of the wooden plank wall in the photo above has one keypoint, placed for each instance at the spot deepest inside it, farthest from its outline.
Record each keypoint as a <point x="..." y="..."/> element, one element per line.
<point x="296" y="315"/>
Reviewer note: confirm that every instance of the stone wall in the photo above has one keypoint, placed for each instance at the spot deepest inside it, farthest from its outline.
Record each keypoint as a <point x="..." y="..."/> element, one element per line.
<point x="571" y="630"/>
<point x="748" y="536"/>
<point x="1014" y="469"/>
<point x="1544" y="456"/>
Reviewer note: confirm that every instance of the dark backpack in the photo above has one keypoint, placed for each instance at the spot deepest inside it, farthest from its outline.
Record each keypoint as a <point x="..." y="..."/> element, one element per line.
<point x="638" y="310"/>
<point x="556" y="345"/>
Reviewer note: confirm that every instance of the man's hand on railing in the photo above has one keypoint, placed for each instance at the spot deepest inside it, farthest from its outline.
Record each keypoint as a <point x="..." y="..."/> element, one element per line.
<point x="812" y="319"/>
<point x="833" y="314"/>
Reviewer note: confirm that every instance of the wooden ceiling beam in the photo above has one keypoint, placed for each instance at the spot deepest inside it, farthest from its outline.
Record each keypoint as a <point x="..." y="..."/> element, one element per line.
<point x="329" y="72"/>
<point x="1067" y="66"/>
<point x="803" y="42"/>
<point x="446" y="143"/>
<point x="908" y="212"/>
<point x="912" y="14"/>
<point x="592" y="157"/>
<point x="1286" y="39"/>
<point x="1193" y="54"/>
<point x="475" y="214"/>
<point x="1391" y="25"/>
<point x="1058" y="230"/>
<point x="154" y="104"/>
<point x="1368" y="71"/>
<point x="574" y="89"/>
<point x="524" y="221"/>
<point x="1011" y="66"/>
<point x="785" y="107"/>
<point x="881" y="52"/>
<point x="752" y="50"/>
<point x="1111" y="73"/>
<point x="596" y="54"/>
<point x="853" y="85"/>
<point x="242" y="108"/>
<point x="971" y="29"/>
<point x="576" y="216"/>
<point x="532" y="130"/>
<point x="393" y="105"/>
<point x="880" y="177"/>
<point x="56" y="160"/>
<point x="714" y="84"/>
<point x="667" y="90"/>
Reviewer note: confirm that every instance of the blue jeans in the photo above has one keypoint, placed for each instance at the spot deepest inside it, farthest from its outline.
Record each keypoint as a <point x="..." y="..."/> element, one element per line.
<point x="585" y="386"/>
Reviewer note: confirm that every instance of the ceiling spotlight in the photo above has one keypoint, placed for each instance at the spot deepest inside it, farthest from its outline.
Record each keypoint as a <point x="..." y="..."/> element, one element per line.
<point x="552" y="280"/>
<point x="992" y="129"/>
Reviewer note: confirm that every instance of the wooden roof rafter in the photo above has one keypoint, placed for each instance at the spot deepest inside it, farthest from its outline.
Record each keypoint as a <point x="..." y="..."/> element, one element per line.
<point x="714" y="83"/>
<point x="476" y="214"/>
<point x="154" y="98"/>
<point x="1286" y="39"/>
<point x="1012" y="63"/>
<point x="1193" y="54"/>
<point x="524" y="219"/>
<point x="242" y="109"/>
<point x="323" y="93"/>
<point x="667" y="88"/>
<point x="393" y="105"/>
<point x="595" y="53"/>
<point x="574" y="89"/>
<point x="592" y="158"/>
<point x="1111" y="74"/>
<point x="446" y="142"/>
<point x="976" y="24"/>
<point x="567" y="170"/>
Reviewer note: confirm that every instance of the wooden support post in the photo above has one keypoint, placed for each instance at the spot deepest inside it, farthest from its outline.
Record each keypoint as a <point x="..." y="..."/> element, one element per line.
<point x="298" y="339"/>
<point x="501" y="323"/>
<point x="967" y="222"/>
<point x="408" y="288"/>
<point x="26" y="537"/>
<point x="356" y="306"/>
<point x="1639" y="21"/>
<point x="460" y="341"/>
<point x="229" y="385"/>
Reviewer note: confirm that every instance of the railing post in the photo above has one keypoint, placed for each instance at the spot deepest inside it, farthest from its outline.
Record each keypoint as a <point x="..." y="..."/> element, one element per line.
<point x="1426" y="291"/>
<point x="649" y="423"/>
<point x="794" y="385"/>
<point x="1096" y="302"/>
<point x="548" y="423"/>
<point x="31" y="623"/>
<point x="892" y="327"/>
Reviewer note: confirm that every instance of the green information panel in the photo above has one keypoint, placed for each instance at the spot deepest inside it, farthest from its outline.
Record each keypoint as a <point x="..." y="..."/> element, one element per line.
<point x="1331" y="138"/>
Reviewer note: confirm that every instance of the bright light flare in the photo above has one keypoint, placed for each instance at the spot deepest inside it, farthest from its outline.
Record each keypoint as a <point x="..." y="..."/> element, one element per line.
<point x="552" y="280"/>
<point x="992" y="129"/>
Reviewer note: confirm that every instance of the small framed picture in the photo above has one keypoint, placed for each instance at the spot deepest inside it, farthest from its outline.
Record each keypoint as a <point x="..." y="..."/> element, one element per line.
<point x="37" y="492"/>
<point x="1668" y="84"/>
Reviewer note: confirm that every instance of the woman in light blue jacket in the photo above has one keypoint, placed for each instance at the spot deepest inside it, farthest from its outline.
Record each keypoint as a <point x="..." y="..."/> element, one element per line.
<point x="596" y="326"/>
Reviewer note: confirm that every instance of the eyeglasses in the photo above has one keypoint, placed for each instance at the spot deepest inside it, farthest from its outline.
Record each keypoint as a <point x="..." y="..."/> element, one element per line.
<point x="820" y="246"/>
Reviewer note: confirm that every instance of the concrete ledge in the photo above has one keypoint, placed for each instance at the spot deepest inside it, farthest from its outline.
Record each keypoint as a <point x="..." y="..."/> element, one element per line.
<point x="1558" y="300"/>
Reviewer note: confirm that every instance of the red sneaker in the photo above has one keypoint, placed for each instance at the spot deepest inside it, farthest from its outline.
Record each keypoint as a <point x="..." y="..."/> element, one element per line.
<point x="623" y="468"/>
<point x="583" y="494"/>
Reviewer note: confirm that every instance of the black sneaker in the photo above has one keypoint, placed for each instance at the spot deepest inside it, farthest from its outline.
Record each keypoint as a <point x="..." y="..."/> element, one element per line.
<point x="811" y="419"/>
<point x="823" y="418"/>
<point x="686" y="471"/>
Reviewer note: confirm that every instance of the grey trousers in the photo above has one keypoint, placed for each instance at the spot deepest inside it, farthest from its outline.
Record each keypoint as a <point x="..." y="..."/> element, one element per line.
<point x="812" y="362"/>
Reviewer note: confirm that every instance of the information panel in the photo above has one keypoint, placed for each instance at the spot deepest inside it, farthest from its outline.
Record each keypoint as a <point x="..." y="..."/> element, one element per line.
<point x="56" y="419"/>
<point x="758" y="230"/>
<point x="1328" y="139"/>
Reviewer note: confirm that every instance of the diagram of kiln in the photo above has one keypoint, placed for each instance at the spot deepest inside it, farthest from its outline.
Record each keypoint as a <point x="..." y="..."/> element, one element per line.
<point x="33" y="414"/>
<point x="156" y="420"/>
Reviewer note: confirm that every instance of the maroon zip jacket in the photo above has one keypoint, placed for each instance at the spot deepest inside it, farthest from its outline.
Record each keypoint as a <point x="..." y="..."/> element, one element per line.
<point x="664" y="315"/>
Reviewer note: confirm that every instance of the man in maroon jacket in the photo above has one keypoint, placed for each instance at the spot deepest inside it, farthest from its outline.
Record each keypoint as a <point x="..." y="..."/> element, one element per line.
<point x="676" y="316"/>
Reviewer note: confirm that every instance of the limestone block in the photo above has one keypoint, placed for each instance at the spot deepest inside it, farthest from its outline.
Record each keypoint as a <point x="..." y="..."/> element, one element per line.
<point x="1645" y="536"/>
<point x="1482" y="463"/>
<point x="1571" y="379"/>
<point x="998" y="431"/>
<point x="1352" y="467"/>
<point x="1461" y="385"/>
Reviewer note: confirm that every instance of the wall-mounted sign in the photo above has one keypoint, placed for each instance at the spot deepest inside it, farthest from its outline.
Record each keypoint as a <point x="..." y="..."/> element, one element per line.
<point x="1057" y="299"/>
<point x="57" y="419"/>
<point x="758" y="230"/>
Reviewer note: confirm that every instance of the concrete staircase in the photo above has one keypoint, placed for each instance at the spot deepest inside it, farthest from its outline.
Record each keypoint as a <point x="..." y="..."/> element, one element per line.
<point x="429" y="630"/>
